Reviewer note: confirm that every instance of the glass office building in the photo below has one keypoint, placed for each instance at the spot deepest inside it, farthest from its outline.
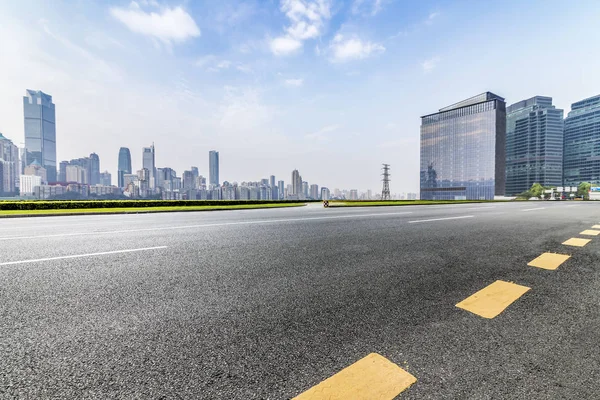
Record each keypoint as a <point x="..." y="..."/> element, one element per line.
<point x="463" y="150"/>
<point x="213" y="168"/>
<point x="124" y="166"/>
<point x="534" y="144"/>
<point x="40" y="131"/>
<point x="581" y="161"/>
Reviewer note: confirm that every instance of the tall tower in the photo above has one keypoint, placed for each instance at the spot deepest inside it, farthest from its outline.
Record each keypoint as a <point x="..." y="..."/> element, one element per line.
<point x="148" y="162"/>
<point x="385" y="192"/>
<point x="213" y="168"/>
<point x="94" y="172"/>
<point x="40" y="131"/>
<point x="124" y="166"/>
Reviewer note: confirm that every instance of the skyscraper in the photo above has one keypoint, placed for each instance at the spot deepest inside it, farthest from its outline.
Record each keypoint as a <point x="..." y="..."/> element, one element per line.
<point x="94" y="169"/>
<point x="281" y="190"/>
<point x="581" y="162"/>
<point x="534" y="144"/>
<point x="148" y="162"/>
<point x="296" y="185"/>
<point x="124" y="166"/>
<point x="9" y="165"/>
<point x="463" y="150"/>
<point x="314" y="192"/>
<point x="213" y="168"/>
<point x="40" y="130"/>
<point x="105" y="178"/>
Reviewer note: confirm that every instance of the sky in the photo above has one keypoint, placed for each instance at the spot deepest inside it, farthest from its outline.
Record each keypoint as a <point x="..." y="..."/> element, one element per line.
<point x="329" y="87"/>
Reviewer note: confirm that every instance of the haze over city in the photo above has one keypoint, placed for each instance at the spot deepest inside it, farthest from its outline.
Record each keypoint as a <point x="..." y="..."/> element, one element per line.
<point x="331" y="88"/>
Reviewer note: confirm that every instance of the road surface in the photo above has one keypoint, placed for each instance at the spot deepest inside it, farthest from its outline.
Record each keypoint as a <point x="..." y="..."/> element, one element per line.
<point x="265" y="304"/>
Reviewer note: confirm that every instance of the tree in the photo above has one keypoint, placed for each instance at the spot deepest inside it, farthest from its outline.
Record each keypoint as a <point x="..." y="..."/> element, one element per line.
<point x="584" y="190"/>
<point x="536" y="190"/>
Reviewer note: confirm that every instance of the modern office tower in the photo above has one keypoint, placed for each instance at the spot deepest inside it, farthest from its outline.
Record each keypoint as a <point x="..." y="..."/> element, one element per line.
<point x="188" y="180"/>
<point x="9" y="163"/>
<point x="40" y="131"/>
<point x="281" y="190"/>
<point x="62" y="171"/>
<point x="581" y="161"/>
<point x="105" y="179"/>
<point x="314" y="192"/>
<point x="463" y="150"/>
<point x="325" y="195"/>
<point x="264" y="182"/>
<point x="149" y="163"/>
<point x="196" y="174"/>
<point x="296" y="185"/>
<point x="35" y="169"/>
<point x="305" y="191"/>
<point x="27" y="184"/>
<point x="94" y="169"/>
<point x="353" y="194"/>
<point x="76" y="174"/>
<point x="124" y="166"/>
<point x="534" y="144"/>
<point x="213" y="168"/>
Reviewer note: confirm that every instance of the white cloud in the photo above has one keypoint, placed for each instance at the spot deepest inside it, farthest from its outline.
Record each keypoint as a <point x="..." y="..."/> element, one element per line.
<point x="353" y="48"/>
<point x="224" y="64"/>
<point x="307" y="19"/>
<point x="169" y="25"/>
<point x="321" y="134"/>
<point x="431" y="17"/>
<point x="294" y="82"/>
<point x="285" y="45"/>
<point x="205" y="60"/>
<point x="429" y="65"/>
<point x="244" y="68"/>
<point x="367" y="7"/>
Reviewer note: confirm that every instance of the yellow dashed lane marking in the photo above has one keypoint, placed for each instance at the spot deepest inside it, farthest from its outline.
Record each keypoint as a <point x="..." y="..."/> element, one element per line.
<point x="590" y="232"/>
<point x="577" y="242"/>
<point x="493" y="299"/>
<point x="549" y="260"/>
<point x="372" y="377"/>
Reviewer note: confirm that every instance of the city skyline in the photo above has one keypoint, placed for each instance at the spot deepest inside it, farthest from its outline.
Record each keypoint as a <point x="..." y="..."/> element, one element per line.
<point x="222" y="86"/>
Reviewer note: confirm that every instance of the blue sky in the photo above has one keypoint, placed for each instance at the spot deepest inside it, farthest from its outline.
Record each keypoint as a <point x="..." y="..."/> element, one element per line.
<point x="333" y="88"/>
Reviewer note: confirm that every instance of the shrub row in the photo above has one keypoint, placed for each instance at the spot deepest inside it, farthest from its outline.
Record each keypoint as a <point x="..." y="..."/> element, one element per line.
<point x="54" y="205"/>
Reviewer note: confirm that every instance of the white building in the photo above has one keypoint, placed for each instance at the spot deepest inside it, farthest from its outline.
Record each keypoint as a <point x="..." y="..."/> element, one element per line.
<point x="27" y="183"/>
<point x="76" y="174"/>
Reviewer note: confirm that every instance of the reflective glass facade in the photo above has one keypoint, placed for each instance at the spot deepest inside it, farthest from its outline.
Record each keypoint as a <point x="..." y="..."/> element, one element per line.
<point x="124" y="166"/>
<point x="213" y="168"/>
<point x="463" y="150"/>
<point x="40" y="131"/>
<point x="534" y="144"/>
<point x="581" y="161"/>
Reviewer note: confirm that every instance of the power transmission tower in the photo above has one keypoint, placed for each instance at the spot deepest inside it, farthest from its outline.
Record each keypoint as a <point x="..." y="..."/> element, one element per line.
<point x="385" y="193"/>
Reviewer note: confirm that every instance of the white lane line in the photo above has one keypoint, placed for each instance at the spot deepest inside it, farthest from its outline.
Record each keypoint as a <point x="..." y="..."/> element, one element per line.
<point x="266" y="221"/>
<point x="440" y="219"/>
<point x="573" y="205"/>
<point x="82" y="255"/>
<point x="480" y="208"/>
<point x="533" y="209"/>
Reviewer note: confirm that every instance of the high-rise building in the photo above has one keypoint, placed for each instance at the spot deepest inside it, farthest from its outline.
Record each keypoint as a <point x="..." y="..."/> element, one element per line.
<point x="62" y="171"/>
<point x="124" y="166"/>
<point x="27" y="184"/>
<point x="213" y="168"/>
<point x="581" y="162"/>
<point x="281" y="190"/>
<point x="325" y="195"/>
<point x="9" y="163"/>
<point x="296" y="185"/>
<point x="76" y="174"/>
<point x="40" y="131"/>
<point x="35" y="169"/>
<point x="105" y="179"/>
<point x="534" y="144"/>
<point x="314" y="192"/>
<point x="188" y="180"/>
<point x="94" y="172"/>
<point x="305" y="191"/>
<point x="196" y="174"/>
<point x="149" y="163"/>
<point x="463" y="150"/>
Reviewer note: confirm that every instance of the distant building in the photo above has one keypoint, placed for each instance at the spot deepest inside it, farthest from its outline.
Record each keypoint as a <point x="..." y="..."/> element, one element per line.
<point x="314" y="192"/>
<point x="40" y="131"/>
<point x="296" y="189"/>
<point x="534" y="144"/>
<point x="36" y="169"/>
<point x="76" y="174"/>
<point x="325" y="195"/>
<point x="411" y="196"/>
<point x="353" y="194"/>
<point x="195" y="174"/>
<point x="149" y="163"/>
<point x="581" y="162"/>
<point x="105" y="179"/>
<point x="213" y="168"/>
<point x="44" y="192"/>
<point x="9" y="165"/>
<point x="124" y="166"/>
<point x="62" y="174"/>
<point x="94" y="173"/>
<point x="463" y="150"/>
<point x="281" y="190"/>
<point x="27" y="184"/>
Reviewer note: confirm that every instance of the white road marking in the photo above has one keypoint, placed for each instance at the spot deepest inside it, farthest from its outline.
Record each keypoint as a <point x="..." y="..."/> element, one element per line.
<point x="440" y="219"/>
<point x="82" y="255"/>
<point x="533" y="209"/>
<point x="480" y="208"/>
<point x="266" y="221"/>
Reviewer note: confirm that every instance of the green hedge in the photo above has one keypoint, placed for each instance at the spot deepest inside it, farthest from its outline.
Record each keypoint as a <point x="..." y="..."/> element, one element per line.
<point x="78" y="204"/>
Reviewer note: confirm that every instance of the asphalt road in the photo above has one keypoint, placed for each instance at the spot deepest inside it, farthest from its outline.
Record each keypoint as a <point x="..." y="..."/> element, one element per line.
<point x="264" y="304"/>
